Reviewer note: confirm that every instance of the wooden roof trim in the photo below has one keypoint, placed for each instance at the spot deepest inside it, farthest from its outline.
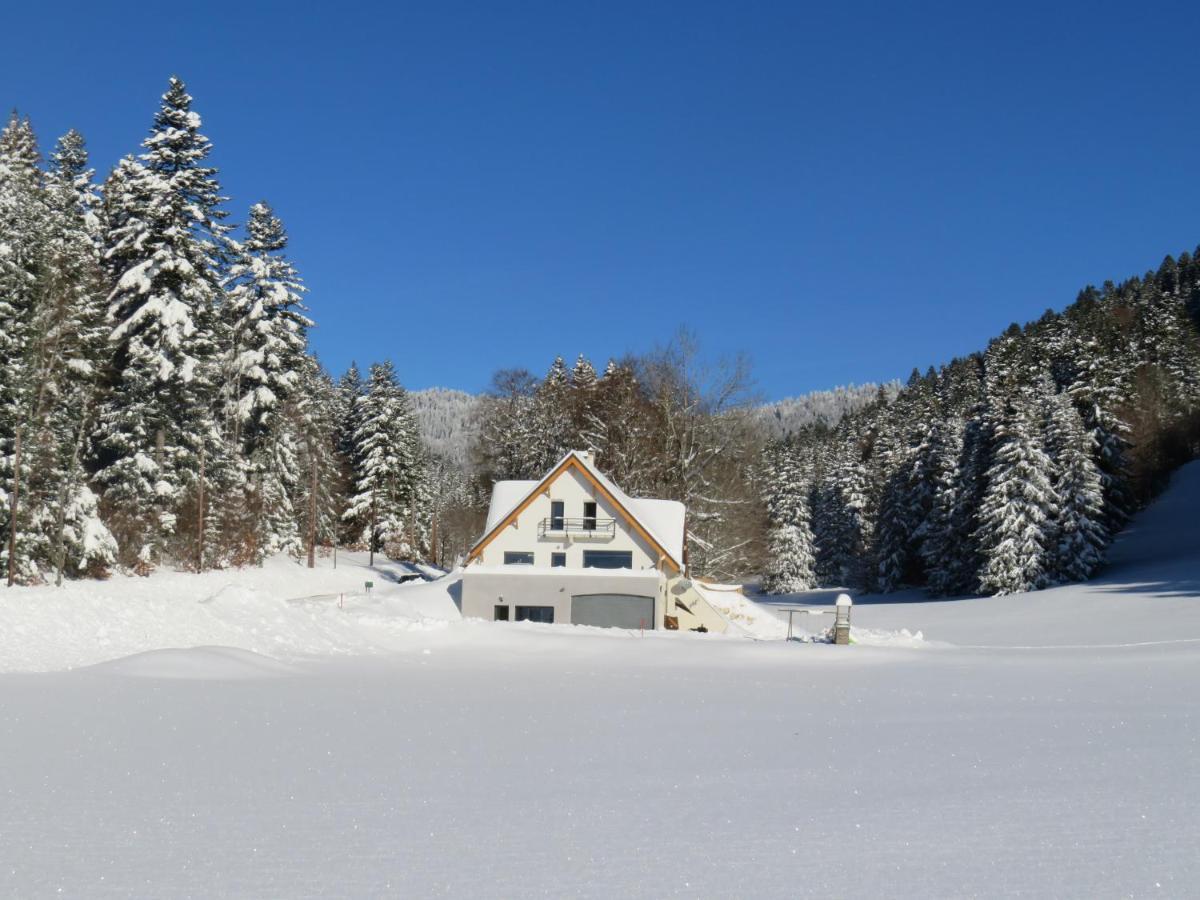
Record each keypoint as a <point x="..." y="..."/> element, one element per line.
<point x="572" y="462"/>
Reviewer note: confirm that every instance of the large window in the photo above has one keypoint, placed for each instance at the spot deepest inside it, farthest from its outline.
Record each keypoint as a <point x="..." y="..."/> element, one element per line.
<point x="608" y="559"/>
<point x="536" y="614"/>
<point x="517" y="558"/>
<point x="557" y="513"/>
<point x="589" y="516"/>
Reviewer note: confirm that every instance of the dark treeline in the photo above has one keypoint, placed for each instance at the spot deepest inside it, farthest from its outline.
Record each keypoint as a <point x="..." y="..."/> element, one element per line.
<point x="1005" y="471"/>
<point x="158" y="402"/>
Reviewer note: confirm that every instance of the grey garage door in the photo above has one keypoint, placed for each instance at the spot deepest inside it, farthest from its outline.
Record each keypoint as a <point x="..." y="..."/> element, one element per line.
<point x="612" y="610"/>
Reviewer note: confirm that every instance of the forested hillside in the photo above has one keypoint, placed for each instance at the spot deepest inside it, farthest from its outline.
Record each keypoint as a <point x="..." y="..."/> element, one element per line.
<point x="447" y="421"/>
<point x="792" y="414"/>
<point x="1009" y="470"/>
<point x="160" y="405"/>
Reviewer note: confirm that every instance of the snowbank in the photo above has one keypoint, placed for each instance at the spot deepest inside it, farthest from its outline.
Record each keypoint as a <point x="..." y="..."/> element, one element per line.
<point x="282" y="610"/>
<point x="197" y="664"/>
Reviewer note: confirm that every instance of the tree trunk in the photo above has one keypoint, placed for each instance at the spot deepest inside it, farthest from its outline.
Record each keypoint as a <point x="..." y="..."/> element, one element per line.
<point x="371" y="536"/>
<point x="312" y="507"/>
<point x="60" y="546"/>
<point x="16" y="499"/>
<point x="200" y="516"/>
<point x="60" y="526"/>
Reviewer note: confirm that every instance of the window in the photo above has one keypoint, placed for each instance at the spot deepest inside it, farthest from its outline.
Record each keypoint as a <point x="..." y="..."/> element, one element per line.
<point x="589" y="516"/>
<point x="536" y="614"/>
<point x="517" y="558"/>
<point x="608" y="559"/>
<point x="558" y="560"/>
<point x="501" y="614"/>
<point x="557" y="512"/>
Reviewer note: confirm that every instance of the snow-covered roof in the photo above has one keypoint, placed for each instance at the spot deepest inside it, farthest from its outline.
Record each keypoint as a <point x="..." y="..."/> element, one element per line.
<point x="663" y="520"/>
<point x="506" y="496"/>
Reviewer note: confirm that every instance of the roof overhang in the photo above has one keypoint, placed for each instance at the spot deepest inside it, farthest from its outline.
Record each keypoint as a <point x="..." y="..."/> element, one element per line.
<point x="572" y="462"/>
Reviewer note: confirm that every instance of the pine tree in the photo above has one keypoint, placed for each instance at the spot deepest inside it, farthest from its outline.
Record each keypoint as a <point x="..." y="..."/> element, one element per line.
<point x="267" y="325"/>
<point x="69" y="349"/>
<point x="941" y="541"/>
<point x="389" y="484"/>
<point x="161" y="457"/>
<point x="840" y="524"/>
<point x="1080" y="535"/>
<point x="583" y="375"/>
<point x="319" y="479"/>
<point x="552" y="417"/>
<point x="265" y="362"/>
<point x="21" y="227"/>
<point x="319" y="475"/>
<point x="1016" y="518"/>
<point x="790" y="557"/>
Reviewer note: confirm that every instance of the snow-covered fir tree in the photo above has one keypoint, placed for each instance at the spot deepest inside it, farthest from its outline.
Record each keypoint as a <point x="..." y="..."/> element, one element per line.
<point x="789" y="534"/>
<point x="551" y="409"/>
<point x="69" y="351"/>
<point x="389" y="486"/>
<point x="22" y="237"/>
<point x="158" y="427"/>
<point x="268" y="329"/>
<point x="1016" y="518"/>
<point x="319" y="475"/>
<point x="1080" y="534"/>
<point x="942" y="548"/>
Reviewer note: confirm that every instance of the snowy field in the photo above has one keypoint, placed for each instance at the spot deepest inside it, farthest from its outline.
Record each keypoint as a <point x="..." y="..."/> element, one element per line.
<point x="1034" y="745"/>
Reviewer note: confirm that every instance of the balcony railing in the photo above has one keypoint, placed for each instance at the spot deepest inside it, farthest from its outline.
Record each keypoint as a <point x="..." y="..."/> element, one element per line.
<point x="587" y="527"/>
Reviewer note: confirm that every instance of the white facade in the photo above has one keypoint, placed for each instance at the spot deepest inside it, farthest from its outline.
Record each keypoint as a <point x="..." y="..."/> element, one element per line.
<point x="532" y="531"/>
<point x="574" y="548"/>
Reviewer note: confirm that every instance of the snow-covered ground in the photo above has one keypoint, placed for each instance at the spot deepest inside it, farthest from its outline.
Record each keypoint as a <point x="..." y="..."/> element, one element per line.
<point x="228" y="737"/>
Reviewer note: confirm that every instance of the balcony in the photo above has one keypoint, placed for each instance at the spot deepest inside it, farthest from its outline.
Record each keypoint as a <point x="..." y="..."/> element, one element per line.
<point x="587" y="529"/>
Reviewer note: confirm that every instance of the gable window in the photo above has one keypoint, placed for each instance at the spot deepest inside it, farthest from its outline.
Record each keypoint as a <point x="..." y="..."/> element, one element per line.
<point x="558" y="560"/>
<point x="518" y="558"/>
<point x="589" y="516"/>
<point x="557" y="513"/>
<point x="608" y="559"/>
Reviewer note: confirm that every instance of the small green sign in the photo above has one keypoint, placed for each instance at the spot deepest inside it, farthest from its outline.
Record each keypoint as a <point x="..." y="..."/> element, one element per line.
<point x="370" y="584"/>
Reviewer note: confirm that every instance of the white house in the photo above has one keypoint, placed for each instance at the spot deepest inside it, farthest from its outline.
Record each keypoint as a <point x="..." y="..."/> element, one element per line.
<point x="574" y="548"/>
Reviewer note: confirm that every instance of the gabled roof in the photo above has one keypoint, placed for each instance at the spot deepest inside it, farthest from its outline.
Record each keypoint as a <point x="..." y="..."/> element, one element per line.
<point x="660" y="522"/>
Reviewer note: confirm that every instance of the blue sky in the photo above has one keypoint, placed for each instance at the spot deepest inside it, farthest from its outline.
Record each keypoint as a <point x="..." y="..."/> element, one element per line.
<point x="841" y="191"/>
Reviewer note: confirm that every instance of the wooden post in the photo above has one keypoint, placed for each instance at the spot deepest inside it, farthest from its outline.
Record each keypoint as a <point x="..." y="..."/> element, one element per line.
<point x="200" y="517"/>
<point x="16" y="499"/>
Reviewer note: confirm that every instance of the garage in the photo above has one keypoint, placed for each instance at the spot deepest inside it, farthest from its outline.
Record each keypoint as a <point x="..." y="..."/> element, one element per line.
<point x="612" y="610"/>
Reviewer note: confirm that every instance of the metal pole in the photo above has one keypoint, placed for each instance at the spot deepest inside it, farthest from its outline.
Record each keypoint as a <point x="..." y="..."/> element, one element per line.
<point x="790" y="611"/>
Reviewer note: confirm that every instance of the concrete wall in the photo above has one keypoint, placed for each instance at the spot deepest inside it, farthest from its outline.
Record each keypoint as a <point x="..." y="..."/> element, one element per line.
<point x="485" y="588"/>
<point x="573" y="489"/>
